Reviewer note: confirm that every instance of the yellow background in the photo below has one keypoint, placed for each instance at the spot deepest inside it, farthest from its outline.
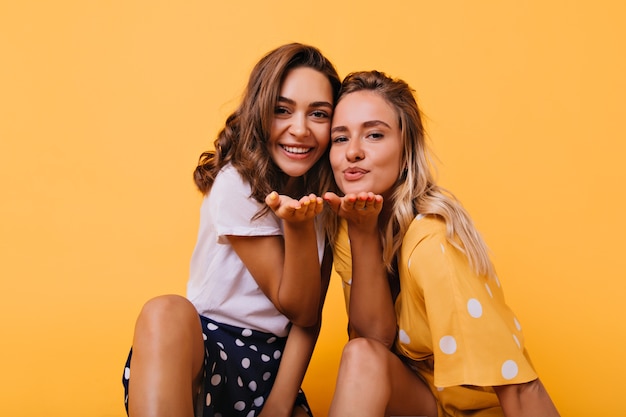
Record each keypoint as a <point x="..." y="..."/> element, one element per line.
<point x="106" y="105"/>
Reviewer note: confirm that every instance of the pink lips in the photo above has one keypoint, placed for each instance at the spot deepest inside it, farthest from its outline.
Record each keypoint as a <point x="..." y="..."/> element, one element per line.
<point x="296" y="152"/>
<point x="354" y="173"/>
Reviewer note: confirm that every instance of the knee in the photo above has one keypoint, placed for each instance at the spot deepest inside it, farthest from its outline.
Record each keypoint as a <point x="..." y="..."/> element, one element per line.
<point x="168" y="313"/>
<point x="364" y="356"/>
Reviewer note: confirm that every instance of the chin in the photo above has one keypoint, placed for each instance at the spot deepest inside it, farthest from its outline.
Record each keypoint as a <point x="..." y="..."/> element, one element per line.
<point x="296" y="172"/>
<point x="352" y="190"/>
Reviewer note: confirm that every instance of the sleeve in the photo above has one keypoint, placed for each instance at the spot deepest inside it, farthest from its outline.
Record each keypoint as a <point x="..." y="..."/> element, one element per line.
<point x="231" y="205"/>
<point x="476" y="339"/>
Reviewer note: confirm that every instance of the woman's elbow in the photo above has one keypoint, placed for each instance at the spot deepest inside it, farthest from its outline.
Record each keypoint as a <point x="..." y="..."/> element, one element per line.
<point x="302" y="317"/>
<point x="303" y="314"/>
<point x="305" y="320"/>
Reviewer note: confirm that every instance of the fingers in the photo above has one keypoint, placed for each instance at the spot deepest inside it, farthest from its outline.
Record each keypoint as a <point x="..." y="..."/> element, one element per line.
<point x="363" y="204"/>
<point x="288" y="208"/>
<point x="333" y="201"/>
<point x="364" y="201"/>
<point x="272" y="200"/>
<point x="310" y="206"/>
<point x="362" y="208"/>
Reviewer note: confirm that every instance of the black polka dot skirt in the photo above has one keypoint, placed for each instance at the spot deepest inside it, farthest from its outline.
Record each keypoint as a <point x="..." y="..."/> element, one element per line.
<point x="240" y="366"/>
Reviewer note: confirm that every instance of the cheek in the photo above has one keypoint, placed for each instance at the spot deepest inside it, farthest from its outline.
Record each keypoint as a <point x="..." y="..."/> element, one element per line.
<point x="274" y="131"/>
<point x="390" y="172"/>
<point x="335" y="157"/>
<point x="322" y="135"/>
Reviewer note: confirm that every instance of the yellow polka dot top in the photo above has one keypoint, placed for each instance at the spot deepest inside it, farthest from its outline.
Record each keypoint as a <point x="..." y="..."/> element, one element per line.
<point x="448" y="314"/>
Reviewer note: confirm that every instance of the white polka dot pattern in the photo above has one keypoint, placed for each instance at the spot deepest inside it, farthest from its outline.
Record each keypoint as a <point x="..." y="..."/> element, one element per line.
<point x="474" y="308"/>
<point x="509" y="370"/>
<point x="240" y="365"/>
<point x="457" y="321"/>
<point x="447" y="344"/>
<point x="404" y="337"/>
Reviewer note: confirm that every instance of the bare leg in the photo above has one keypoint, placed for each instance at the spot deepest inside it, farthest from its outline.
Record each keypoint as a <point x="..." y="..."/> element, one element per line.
<point x="168" y="355"/>
<point x="372" y="381"/>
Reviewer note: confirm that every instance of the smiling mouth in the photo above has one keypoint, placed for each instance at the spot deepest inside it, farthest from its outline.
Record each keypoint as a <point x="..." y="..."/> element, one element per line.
<point x="296" y="149"/>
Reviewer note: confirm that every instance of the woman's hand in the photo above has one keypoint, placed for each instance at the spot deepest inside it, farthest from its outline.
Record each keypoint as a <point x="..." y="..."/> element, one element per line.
<point x="292" y="210"/>
<point x="360" y="210"/>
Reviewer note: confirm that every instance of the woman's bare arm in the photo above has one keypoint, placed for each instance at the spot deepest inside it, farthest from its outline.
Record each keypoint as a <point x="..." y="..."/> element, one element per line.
<point x="529" y="399"/>
<point x="286" y="268"/>
<point x="296" y="357"/>
<point x="371" y="310"/>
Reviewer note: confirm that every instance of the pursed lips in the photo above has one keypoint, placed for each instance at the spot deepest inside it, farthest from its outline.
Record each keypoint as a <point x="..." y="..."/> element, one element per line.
<point x="354" y="173"/>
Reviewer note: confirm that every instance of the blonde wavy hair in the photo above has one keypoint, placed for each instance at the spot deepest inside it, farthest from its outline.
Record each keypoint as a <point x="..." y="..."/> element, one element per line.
<point x="416" y="190"/>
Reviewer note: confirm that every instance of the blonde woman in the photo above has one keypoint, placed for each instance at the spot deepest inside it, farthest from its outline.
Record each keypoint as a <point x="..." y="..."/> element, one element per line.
<point x="430" y="333"/>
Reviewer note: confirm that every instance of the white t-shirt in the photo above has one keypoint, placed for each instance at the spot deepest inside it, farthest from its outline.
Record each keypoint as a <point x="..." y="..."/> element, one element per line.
<point x="220" y="286"/>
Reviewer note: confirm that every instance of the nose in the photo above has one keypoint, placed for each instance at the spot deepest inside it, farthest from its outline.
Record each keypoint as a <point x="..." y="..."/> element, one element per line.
<point x="299" y="127"/>
<point x="354" y="151"/>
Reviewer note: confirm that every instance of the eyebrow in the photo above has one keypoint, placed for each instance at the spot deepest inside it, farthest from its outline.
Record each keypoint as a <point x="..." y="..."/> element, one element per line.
<point x="313" y="104"/>
<point x="369" y="123"/>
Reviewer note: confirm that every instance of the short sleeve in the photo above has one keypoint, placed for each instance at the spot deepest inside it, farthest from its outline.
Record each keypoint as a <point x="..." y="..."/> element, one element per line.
<point x="233" y="208"/>
<point x="460" y="317"/>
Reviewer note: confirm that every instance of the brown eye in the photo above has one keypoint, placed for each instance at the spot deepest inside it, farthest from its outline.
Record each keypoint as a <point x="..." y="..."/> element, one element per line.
<point x="320" y="114"/>
<point x="339" y="139"/>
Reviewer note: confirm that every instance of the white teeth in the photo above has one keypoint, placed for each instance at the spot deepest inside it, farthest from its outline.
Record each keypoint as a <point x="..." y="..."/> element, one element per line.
<point x="294" y="149"/>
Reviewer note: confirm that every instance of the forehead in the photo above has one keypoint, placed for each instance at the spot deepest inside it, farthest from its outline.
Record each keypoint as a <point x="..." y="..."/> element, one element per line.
<point x="363" y="106"/>
<point x="305" y="82"/>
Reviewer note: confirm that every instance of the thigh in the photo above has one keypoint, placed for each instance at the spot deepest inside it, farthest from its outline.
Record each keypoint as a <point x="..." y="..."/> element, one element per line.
<point x="410" y="395"/>
<point x="167" y="357"/>
<point x="378" y="382"/>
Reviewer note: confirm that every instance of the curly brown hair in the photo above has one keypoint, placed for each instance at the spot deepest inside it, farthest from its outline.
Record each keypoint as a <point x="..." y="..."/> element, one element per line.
<point x="242" y="141"/>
